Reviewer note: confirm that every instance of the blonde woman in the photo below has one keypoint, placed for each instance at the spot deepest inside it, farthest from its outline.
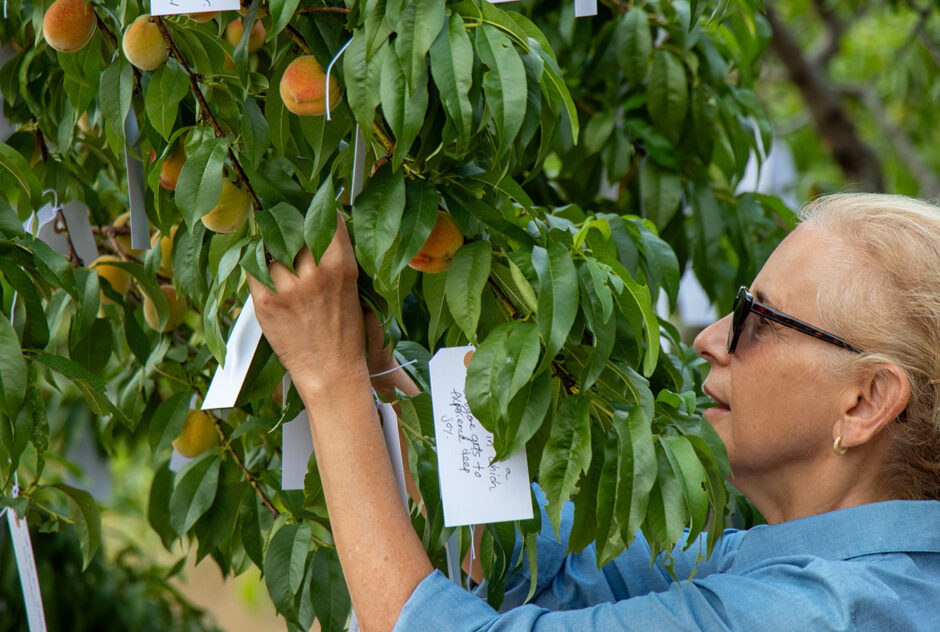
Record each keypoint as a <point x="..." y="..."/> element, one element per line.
<point x="826" y="383"/>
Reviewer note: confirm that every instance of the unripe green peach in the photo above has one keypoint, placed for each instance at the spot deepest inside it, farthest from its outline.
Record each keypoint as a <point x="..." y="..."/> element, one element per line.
<point x="303" y="87"/>
<point x="230" y="212"/>
<point x="177" y="310"/>
<point x="144" y="45"/>
<point x="235" y="29"/>
<point x="119" y="278"/>
<point x="68" y="25"/>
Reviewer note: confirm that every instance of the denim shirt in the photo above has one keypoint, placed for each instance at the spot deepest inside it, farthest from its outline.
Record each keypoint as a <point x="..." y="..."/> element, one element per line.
<point x="874" y="568"/>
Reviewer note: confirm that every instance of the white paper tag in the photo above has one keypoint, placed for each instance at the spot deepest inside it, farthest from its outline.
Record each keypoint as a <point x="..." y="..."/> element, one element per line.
<point x="473" y="490"/>
<point x="139" y="223"/>
<point x="175" y="7"/>
<point x="239" y="351"/>
<point x="393" y="445"/>
<point x="29" y="578"/>
<point x="452" y="554"/>
<point x="585" y="8"/>
<point x="177" y="461"/>
<point x="43" y="225"/>
<point x="296" y="448"/>
<point x="359" y="166"/>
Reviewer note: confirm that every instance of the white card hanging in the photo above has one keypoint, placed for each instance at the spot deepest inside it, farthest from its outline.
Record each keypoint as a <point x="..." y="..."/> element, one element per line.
<point x="585" y="8"/>
<point x="473" y="490"/>
<point x="393" y="445"/>
<point x="239" y="351"/>
<point x="76" y="222"/>
<point x="177" y="461"/>
<point x="29" y="578"/>
<point x="176" y="7"/>
<point x="359" y="166"/>
<point x="296" y="448"/>
<point x="140" y="224"/>
<point x="452" y="554"/>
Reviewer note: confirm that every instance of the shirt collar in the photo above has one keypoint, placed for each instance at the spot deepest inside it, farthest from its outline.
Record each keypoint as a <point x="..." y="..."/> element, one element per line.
<point x="896" y="526"/>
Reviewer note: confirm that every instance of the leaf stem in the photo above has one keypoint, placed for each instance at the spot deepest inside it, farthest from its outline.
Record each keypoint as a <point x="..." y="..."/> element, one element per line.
<point x="241" y="465"/>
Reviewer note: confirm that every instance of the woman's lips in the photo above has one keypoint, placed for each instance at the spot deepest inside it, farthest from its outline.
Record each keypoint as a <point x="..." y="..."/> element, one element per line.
<point x="720" y="404"/>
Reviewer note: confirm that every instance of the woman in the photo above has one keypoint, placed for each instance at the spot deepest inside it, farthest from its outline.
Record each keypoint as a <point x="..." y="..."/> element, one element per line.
<point x="825" y="387"/>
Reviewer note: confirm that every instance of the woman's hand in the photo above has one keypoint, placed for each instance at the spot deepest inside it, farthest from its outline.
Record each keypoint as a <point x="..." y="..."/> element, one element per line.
<point x="314" y="322"/>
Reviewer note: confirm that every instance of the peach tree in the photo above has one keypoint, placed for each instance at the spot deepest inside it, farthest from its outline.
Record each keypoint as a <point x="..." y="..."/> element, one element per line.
<point x="582" y="163"/>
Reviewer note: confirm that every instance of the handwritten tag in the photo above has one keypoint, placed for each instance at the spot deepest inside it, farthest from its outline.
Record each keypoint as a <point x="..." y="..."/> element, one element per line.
<point x="140" y="223"/>
<point x="239" y="351"/>
<point x="29" y="578"/>
<point x="473" y="490"/>
<point x="175" y="7"/>
<point x="585" y="8"/>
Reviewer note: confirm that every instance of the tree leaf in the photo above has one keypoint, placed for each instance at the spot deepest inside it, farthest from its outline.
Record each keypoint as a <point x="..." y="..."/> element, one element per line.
<point x="404" y="107"/>
<point x="504" y="83"/>
<point x="298" y="558"/>
<point x="277" y="569"/>
<point x="637" y="469"/>
<point x="12" y="161"/>
<point x="417" y="27"/>
<point x="668" y="93"/>
<point x="167" y="421"/>
<point x="525" y="417"/>
<point x="634" y="44"/>
<point x="692" y="478"/>
<point x="377" y="217"/>
<point x="256" y="134"/>
<point x="282" y="229"/>
<point x="433" y="289"/>
<point x="194" y="490"/>
<point x="168" y="85"/>
<point x="661" y="191"/>
<point x="421" y="205"/>
<point x="200" y="183"/>
<point x="320" y="221"/>
<point x="86" y="520"/>
<point x="567" y="454"/>
<point x="114" y="96"/>
<point x="330" y="595"/>
<point x="452" y="70"/>
<point x="557" y="296"/>
<point x="362" y="74"/>
<point x="466" y="278"/>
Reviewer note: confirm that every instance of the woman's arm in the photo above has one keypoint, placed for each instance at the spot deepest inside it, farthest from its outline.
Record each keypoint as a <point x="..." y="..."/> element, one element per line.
<point x="315" y="325"/>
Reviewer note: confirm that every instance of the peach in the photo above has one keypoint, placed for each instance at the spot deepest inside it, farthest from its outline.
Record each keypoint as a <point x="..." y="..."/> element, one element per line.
<point x="440" y="247"/>
<point x="125" y="240"/>
<point x="171" y="167"/>
<point x="303" y="87"/>
<point x="231" y="211"/>
<point x="177" y="310"/>
<point x="119" y="278"/>
<point x="198" y="435"/>
<point x="205" y="16"/>
<point x="235" y="29"/>
<point x="166" y="251"/>
<point x="143" y="44"/>
<point x="68" y="25"/>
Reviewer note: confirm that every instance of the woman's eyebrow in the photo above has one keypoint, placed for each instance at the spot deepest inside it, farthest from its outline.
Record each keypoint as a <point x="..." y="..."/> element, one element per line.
<point x="762" y="298"/>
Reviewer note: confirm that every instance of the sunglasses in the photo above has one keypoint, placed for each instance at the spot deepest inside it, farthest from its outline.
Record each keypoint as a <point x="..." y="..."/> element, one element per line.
<point x="744" y="304"/>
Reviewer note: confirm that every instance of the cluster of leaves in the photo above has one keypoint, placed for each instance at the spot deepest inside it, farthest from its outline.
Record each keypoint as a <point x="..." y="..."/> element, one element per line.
<point x="584" y="161"/>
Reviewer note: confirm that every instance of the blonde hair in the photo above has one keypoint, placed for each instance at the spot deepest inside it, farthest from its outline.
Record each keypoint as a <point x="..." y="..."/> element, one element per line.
<point x="886" y="301"/>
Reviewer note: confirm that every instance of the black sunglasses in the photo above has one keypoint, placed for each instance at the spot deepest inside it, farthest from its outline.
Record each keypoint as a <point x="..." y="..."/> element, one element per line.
<point x="744" y="304"/>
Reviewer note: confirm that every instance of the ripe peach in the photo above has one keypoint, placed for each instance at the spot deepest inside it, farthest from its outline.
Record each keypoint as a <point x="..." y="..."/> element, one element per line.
<point x="119" y="278"/>
<point x="177" y="310"/>
<point x="441" y="246"/>
<point x="68" y="25"/>
<point x="166" y="251"/>
<point x="171" y="167"/>
<point x="205" y="16"/>
<point x="303" y="87"/>
<point x="198" y="435"/>
<point x="144" y="45"/>
<point x="235" y="29"/>
<point x="231" y="211"/>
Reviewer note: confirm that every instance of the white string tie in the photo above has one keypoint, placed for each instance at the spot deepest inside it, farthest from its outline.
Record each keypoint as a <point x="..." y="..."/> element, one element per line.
<point x="329" y="69"/>
<point x="401" y="366"/>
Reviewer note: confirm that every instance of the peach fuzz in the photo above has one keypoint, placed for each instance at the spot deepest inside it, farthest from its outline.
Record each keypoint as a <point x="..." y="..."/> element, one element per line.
<point x="440" y="247"/>
<point x="143" y="44"/>
<point x="68" y="25"/>
<point x="303" y="87"/>
<point x="235" y="29"/>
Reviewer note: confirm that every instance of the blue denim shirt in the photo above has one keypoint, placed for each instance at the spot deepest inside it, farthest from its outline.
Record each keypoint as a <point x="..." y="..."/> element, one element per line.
<point x="870" y="568"/>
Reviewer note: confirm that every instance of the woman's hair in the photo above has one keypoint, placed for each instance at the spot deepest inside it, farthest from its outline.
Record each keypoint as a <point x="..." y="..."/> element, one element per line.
<point x="886" y="301"/>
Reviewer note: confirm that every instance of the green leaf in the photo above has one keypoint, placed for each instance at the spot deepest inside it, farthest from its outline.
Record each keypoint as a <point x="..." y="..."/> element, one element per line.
<point x="323" y="135"/>
<point x="404" y="107"/>
<point x="298" y="558"/>
<point x="277" y="569"/>
<point x="504" y="83"/>
<point x="634" y="44"/>
<point x="320" y="221"/>
<point x="668" y="93"/>
<point x="661" y="191"/>
<point x="637" y="469"/>
<point x="377" y="26"/>
<point x="377" y="217"/>
<point x="330" y="595"/>
<point x="12" y="161"/>
<point x="167" y="421"/>
<point x="692" y="478"/>
<point x="500" y="367"/>
<point x="452" y="70"/>
<point x="88" y="384"/>
<point x="362" y="75"/>
<point x="200" y="183"/>
<point x="558" y="296"/>
<point x="256" y="134"/>
<point x="194" y="491"/>
<point x="86" y="520"/>
<point x="168" y="85"/>
<point x="158" y="504"/>
<point x="417" y="27"/>
<point x="421" y="210"/>
<point x="281" y="13"/>
<point x="282" y="229"/>
<point x="114" y="96"/>
<point x="567" y="454"/>
<point x="607" y="535"/>
<point x="433" y="289"/>
<point x="598" y="130"/>
<point x="554" y="87"/>
<point x="666" y="512"/>
<point x="525" y="417"/>
<point x="466" y="279"/>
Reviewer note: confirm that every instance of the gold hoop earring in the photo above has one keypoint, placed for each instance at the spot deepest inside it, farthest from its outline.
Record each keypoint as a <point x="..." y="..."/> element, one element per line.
<point x="837" y="448"/>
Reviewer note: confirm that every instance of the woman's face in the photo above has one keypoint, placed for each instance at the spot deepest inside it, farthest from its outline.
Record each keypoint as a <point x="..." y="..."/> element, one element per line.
<point x="778" y="402"/>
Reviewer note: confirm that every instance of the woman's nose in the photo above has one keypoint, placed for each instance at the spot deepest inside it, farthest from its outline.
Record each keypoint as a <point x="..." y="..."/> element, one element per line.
<point x="712" y="342"/>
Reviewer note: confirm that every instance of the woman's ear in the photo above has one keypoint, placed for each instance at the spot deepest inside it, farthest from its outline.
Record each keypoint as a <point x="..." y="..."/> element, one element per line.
<point x="879" y="397"/>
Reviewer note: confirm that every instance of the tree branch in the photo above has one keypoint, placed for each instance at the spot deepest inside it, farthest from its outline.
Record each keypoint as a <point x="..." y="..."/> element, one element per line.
<point x="835" y="28"/>
<point x="241" y="465"/>
<point x="61" y="227"/>
<point x="857" y="160"/>
<point x="206" y="112"/>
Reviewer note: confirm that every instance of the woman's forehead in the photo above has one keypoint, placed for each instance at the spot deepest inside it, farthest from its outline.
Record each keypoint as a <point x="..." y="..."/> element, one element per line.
<point x="797" y="268"/>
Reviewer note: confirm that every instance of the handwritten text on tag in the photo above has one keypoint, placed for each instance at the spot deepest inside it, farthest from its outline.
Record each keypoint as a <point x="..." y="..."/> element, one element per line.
<point x="473" y="490"/>
<point x="174" y="7"/>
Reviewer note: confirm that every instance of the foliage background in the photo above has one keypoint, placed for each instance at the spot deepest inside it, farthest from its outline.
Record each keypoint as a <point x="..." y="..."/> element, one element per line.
<point x="588" y="162"/>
